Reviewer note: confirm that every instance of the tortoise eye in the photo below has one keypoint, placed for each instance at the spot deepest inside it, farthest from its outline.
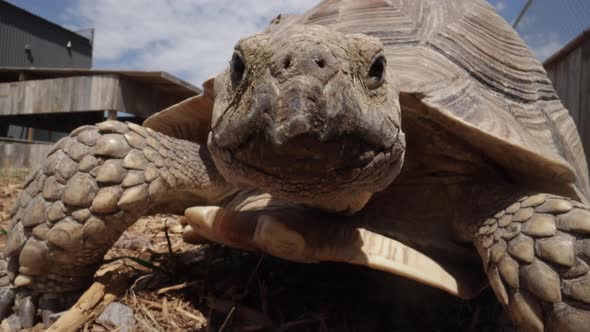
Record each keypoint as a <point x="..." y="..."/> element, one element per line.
<point x="376" y="74"/>
<point x="237" y="69"/>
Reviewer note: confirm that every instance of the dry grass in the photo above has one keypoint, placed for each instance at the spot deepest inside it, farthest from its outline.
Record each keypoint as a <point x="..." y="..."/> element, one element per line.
<point x="213" y="288"/>
<point x="12" y="175"/>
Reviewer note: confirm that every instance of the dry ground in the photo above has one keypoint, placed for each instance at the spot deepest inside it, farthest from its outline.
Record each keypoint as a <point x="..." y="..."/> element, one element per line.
<point x="179" y="287"/>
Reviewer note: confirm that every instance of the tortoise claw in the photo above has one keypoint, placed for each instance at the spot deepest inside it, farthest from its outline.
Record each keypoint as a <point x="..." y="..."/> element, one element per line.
<point x="7" y="296"/>
<point x="248" y="230"/>
<point x="220" y="225"/>
<point x="11" y="324"/>
<point x="26" y="311"/>
<point x="279" y="240"/>
<point x="50" y="305"/>
<point x="18" y="305"/>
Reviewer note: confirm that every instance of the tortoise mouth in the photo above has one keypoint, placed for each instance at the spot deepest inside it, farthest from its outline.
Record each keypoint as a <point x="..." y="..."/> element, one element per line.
<point x="306" y="167"/>
<point x="305" y="156"/>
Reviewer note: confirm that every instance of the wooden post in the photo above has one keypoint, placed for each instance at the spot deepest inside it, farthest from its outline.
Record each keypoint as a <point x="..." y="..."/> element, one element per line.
<point x="112" y="115"/>
<point x="22" y="76"/>
<point x="30" y="134"/>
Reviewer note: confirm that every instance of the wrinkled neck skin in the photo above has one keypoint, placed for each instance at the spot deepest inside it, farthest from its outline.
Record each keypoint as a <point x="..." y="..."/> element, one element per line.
<point x="445" y="190"/>
<point x="309" y="115"/>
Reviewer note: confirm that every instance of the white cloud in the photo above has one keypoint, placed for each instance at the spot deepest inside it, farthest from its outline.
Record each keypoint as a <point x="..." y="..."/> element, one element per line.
<point x="192" y="39"/>
<point x="500" y="6"/>
<point x="543" y="45"/>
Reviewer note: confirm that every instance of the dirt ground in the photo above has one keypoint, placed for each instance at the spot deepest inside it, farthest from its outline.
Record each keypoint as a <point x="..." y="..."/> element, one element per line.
<point x="180" y="287"/>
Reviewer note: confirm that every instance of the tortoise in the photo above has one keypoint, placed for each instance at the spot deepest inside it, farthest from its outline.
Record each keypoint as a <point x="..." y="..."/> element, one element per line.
<point x="421" y="138"/>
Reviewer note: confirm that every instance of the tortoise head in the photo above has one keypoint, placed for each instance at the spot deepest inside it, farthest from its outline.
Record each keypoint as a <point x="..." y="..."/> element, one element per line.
<point x="309" y="115"/>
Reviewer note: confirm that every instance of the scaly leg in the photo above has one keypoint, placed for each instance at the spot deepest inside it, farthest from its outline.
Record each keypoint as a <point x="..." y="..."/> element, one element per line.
<point x="94" y="185"/>
<point x="536" y="253"/>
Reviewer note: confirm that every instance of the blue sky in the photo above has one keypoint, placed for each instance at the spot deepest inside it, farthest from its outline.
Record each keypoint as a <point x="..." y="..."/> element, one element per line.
<point x="193" y="39"/>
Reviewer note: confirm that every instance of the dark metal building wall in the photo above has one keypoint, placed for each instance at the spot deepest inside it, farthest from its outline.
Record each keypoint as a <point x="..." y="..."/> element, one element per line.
<point x="47" y="42"/>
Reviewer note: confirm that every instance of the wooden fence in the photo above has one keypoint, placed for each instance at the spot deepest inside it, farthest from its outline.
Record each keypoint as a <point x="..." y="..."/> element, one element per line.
<point x="569" y="70"/>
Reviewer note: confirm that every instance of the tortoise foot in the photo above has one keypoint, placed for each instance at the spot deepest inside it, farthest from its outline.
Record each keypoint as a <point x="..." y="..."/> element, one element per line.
<point x="62" y="225"/>
<point x="536" y="254"/>
<point x="21" y="307"/>
<point x="94" y="184"/>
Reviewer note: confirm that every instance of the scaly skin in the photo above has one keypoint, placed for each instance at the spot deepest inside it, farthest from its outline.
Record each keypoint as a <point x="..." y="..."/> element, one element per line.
<point x="94" y="185"/>
<point x="310" y="115"/>
<point x="536" y="253"/>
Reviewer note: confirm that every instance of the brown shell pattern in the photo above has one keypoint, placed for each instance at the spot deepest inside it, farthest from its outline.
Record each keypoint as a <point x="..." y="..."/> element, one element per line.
<point x="465" y="62"/>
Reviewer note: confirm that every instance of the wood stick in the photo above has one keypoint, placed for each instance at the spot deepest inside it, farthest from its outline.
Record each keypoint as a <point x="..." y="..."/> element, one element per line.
<point x="92" y="303"/>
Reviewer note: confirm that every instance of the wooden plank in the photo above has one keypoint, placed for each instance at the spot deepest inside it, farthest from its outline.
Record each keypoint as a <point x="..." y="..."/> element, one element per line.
<point x="574" y="76"/>
<point x="153" y="78"/>
<point x="22" y="154"/>
<point x="84" y="94"/>
<point x="570" y="75"/>
<point x="72" y="94"/>
<point x="561" y="81"/>
<point x="142" y="100"/>
<point x="584" y="97"/>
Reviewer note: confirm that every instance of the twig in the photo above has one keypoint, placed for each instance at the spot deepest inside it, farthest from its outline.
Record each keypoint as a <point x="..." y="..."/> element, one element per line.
<point x="145" y="312"/>
<point x="170" y="250"/>
<point x="152" y="304"/>
<point x="137" y="282"/>
<point x="138" y="261"/>
<point x="231" y="312"/>
<point x="475" y="318"/>
<point x="255" y="271"/>
<point x="93" y="302"/>
<point x="176" y="287"/>
<point x="190" y="315"/>
<point x="165" y="312"/>
<point x="290" y="325"/>
<point x="142" y="320"/>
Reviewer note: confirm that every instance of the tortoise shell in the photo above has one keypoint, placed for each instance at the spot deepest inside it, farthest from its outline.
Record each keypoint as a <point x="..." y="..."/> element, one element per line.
<point x="477" y="77"/>
<point x="459" y="64"/>
<point x="464" y="67"/>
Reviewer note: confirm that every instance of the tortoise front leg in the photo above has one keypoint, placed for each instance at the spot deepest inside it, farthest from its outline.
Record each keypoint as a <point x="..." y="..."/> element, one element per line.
<point x="94" y="185"/>
<point x="536" y="253"/>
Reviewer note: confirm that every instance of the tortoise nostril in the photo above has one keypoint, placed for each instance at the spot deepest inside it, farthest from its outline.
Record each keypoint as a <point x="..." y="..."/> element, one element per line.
<point x="287" y="63"/>
<point x="320" y="62"/>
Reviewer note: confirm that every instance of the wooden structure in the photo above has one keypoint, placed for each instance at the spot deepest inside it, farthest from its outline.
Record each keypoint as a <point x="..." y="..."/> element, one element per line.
<point x="569" y="70"/>
<point x="17" y="154"/>
<point x="60" y="100"/>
